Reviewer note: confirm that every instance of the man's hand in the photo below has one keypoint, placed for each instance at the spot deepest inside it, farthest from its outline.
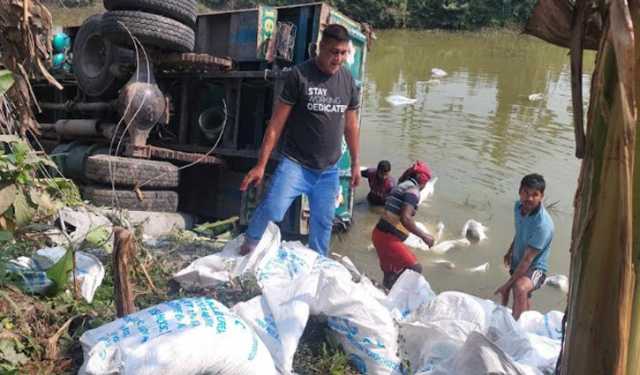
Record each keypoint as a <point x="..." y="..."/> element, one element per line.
<point x="253" y="177"/>
<point x="355" y="175"/>
<point x="507" y="259"/>
<point x="503" y="291"/>
<point x="428" y="239"/>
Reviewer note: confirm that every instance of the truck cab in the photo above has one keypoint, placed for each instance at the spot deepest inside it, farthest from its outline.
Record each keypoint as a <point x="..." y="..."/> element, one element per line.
<point x="203" y="115"/>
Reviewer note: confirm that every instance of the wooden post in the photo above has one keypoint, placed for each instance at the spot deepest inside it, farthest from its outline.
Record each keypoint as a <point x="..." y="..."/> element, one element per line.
<point x="123" y="250"/>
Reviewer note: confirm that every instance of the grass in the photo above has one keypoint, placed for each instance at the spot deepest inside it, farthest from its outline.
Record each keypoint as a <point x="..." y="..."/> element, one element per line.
<point x="73" y="16"/>
<point x="318" y="353"/>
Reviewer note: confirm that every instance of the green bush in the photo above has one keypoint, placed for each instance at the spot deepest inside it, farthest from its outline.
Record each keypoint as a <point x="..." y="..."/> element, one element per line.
<point x="442" y="14"/>
<point x="71" y="3"/>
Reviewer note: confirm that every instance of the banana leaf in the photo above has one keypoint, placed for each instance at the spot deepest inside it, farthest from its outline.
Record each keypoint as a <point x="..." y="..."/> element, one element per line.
<point x="6" y="81"/>
<point x="59" y="272"/>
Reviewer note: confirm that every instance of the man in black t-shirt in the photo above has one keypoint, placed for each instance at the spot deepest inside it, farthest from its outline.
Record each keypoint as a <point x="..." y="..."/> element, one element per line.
<point x="317" y="106"/>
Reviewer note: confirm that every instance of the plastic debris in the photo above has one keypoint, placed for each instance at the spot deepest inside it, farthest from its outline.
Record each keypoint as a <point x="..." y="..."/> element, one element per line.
<point x="429" y="189"/>
<point x="32" y="271"/>
<point x="410" y="291"/>
<point x="444" y="246"/>
<point x="348" y="264"/>
<point x="220" y="268"/>
<point x="536" y="97"/>
<point x="438" y="73"/>
<point x="481" y="268"/>
<point x="89" y="269"/>
<point x="398" y="100"/>
<point x="474" y="231"/>
<point x="442" y="337"/>
<point x="549" y="324"/>
<point x="33" y="279"/>
<point x="479" y="356"/>
<point x="446" y="263"/>
<point x="79" y="223"/>
<point x="558" y="281"/>
<point x="415" y="241"/>
<point x="439" y="232"/>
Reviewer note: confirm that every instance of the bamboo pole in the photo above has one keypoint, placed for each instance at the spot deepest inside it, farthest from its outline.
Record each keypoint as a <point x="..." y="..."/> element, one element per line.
<point x="123" y="251"/>
<point x="633" y="364"/>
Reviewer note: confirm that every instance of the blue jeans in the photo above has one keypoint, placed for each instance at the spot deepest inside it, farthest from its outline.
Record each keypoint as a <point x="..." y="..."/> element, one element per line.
<point x="290" y="180"/>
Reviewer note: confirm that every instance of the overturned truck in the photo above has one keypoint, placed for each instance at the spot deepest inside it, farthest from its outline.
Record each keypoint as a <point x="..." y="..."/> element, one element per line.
<point x="165" y="110"/>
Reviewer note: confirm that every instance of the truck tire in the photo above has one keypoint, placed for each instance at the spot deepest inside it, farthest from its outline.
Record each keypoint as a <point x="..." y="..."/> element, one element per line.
<point x="151" y="29"/>
<point x="184" y="11"/>
<point x="153" y="200"/>
<point x="131" y="172"/>
<point x="93" y="57"/>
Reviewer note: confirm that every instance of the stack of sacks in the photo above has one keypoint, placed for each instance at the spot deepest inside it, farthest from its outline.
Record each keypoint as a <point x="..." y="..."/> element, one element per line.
<point x="437" y="335"/>
<point x="452" y="333"/>
<point x="295" y="283"/>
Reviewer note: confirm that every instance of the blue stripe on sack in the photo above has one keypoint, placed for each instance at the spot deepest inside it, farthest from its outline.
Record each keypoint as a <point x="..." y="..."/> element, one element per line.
<point x="254" y="348"/>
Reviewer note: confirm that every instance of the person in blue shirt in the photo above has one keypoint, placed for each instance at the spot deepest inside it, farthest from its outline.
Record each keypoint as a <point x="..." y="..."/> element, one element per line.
<point x="528" y="255"/>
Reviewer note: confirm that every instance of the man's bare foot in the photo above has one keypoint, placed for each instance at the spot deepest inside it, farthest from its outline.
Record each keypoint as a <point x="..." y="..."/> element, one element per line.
<point x="247" y="246"/>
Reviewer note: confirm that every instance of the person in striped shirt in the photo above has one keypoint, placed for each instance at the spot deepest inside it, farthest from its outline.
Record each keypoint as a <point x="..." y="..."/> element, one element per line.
<point x="397" y="222"/>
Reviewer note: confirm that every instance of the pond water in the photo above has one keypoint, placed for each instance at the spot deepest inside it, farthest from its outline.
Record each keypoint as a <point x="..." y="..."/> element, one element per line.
<point x="481" y="134"/>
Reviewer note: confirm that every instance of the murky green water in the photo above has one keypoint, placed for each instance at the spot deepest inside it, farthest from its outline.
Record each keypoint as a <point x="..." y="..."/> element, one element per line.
<point x="480" y="133"/>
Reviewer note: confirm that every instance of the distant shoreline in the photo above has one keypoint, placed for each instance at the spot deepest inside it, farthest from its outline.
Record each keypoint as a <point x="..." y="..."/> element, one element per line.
<point x="74" y="15"/>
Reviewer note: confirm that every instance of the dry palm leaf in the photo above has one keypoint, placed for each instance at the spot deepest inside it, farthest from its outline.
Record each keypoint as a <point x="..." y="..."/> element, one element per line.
<point x="25" y="26"/>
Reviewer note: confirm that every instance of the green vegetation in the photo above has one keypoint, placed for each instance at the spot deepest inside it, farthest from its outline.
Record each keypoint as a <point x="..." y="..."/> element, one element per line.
<point x="423" y="14"/>
<point x="429" y="14"/>
<point x="24" y="197"/>
<point x="467" y="14"/>
<point x="28" y="199"/>
<point x="40" y="334"/>
<point x="319" y="353"/>
<point x="70" y="3"/>
<point x="6" y="81"/>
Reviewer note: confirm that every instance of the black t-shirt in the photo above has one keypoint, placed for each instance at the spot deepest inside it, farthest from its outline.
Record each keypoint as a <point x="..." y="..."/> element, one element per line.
<point x="314" y="129"/>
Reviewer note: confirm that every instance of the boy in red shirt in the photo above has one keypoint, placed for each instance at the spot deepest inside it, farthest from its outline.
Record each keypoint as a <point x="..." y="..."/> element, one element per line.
<point x="380" y="182"/>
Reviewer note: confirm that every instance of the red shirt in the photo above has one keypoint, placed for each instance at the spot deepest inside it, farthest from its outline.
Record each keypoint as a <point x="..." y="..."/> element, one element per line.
<point x="380" y="188"/>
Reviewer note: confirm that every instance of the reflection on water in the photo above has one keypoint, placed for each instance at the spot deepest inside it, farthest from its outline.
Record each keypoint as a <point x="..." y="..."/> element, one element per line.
<point x="480" y="133"/>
